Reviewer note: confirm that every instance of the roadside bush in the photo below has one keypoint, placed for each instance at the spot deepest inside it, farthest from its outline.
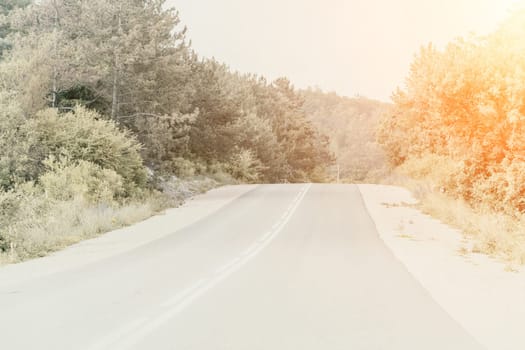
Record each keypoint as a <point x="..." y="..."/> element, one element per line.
<point x="64" y="178"/>
<point x="503" y="189"/>
<point x="220" y="172"/>
<point x="76" y="200"/>
<point x="22" y="209"/>
<point x="83" y="135"/>
<point x="15" y="160"/>
<point x="244" y="166"/>
<point x="9" y="206"/>
<point x="65" y="181"/>
<point x="184" y="168"/>
<point x="439" y="172"/>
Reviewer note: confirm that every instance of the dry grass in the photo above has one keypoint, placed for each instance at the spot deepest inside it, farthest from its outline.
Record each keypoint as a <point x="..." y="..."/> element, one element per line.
<point x="40" y="226"/>
<point x="66" y="223"/>
<point x="495" y="234"/>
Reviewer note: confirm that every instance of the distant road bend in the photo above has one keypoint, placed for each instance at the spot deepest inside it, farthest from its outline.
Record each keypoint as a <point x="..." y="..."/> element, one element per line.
<point x="292" y="267"/>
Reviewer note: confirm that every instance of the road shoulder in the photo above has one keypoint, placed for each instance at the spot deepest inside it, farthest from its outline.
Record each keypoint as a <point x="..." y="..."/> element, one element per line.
<point x="474" y="289"/>
<point x="124" y="239"/>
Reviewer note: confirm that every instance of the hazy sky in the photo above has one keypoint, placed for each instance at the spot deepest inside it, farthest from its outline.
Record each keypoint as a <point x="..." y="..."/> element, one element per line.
<point x="349" y="46"/>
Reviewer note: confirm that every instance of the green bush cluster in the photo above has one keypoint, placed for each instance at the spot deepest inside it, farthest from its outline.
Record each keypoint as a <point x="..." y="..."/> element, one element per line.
<point x="83" y="135"/>
<point x="245" y="166"/>
<point x="65" y="181"/>
<point x="80" y="135"/>
<point x="61" y="168"/>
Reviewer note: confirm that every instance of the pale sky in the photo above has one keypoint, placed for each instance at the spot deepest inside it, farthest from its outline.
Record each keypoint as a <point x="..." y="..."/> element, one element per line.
<point x="353" y="47"/>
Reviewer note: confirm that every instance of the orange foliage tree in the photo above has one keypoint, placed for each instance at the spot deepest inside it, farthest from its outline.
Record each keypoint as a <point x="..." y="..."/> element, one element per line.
<point x="466" y="102"/>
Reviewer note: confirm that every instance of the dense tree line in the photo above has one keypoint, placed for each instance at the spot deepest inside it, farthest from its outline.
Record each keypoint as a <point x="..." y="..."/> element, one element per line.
<point x="462" y="114"/>
<point x="104" y="103"/>
<point x="352" y="124"/>
<point x="130" y="61"/>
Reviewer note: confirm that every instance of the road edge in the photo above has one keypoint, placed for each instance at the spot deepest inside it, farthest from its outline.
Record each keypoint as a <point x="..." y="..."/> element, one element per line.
<point x="473" y="289"/>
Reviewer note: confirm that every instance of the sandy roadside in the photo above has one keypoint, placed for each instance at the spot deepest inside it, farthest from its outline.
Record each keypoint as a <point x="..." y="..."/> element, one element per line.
<point x="486" y="300"/>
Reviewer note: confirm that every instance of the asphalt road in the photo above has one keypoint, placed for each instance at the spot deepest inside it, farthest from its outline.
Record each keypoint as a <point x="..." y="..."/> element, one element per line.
<point x="294" y="267"/>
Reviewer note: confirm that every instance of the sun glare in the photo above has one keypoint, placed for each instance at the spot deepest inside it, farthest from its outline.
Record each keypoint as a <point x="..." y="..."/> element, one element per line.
<point x="493" y="12"/>
<point x="507" y="6"/>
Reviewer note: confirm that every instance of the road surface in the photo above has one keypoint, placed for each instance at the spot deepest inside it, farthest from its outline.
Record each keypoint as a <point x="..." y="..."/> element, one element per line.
<point x="280" y="267"/>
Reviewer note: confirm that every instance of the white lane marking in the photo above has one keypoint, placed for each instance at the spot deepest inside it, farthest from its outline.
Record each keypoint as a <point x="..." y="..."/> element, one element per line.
<point x="107" y="341"/>
<point x="252" y="248"/>
<point x="180" y="296"/>
<point x="260" y="240"/>
<point x="139" y="330"/>
<point x="227" y="266"/>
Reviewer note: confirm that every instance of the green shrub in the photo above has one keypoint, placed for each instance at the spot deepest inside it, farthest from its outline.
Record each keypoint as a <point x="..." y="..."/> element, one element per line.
<point x="183" y="167"/>
<point x="245" y="166"/>
<point x="83" y="135"/>
<point x="22" y="209"/>
<point x="15" y="158"/>
<point x="65" y="181"/>
<point x="220" y="172"/>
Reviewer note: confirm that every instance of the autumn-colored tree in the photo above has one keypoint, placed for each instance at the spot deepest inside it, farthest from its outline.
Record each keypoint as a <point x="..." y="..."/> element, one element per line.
<point x="467" y="103"/>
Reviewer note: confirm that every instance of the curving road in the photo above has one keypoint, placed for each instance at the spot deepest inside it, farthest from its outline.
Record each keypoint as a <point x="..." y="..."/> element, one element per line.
<point x="277" y="267"/>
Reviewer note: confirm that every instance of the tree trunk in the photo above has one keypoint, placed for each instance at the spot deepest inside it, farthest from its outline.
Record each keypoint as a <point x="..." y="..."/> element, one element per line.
<point x="114" y="95"/>
<point x="116" y="70"/>
<point x="55" y="49"/>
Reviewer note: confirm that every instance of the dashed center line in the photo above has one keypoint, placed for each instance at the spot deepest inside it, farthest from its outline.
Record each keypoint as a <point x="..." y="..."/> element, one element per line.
<point x="132" y="333"/>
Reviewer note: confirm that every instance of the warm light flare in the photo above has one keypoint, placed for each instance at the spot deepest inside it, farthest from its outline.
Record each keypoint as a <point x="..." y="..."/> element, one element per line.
<point x="354" y="47"/>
